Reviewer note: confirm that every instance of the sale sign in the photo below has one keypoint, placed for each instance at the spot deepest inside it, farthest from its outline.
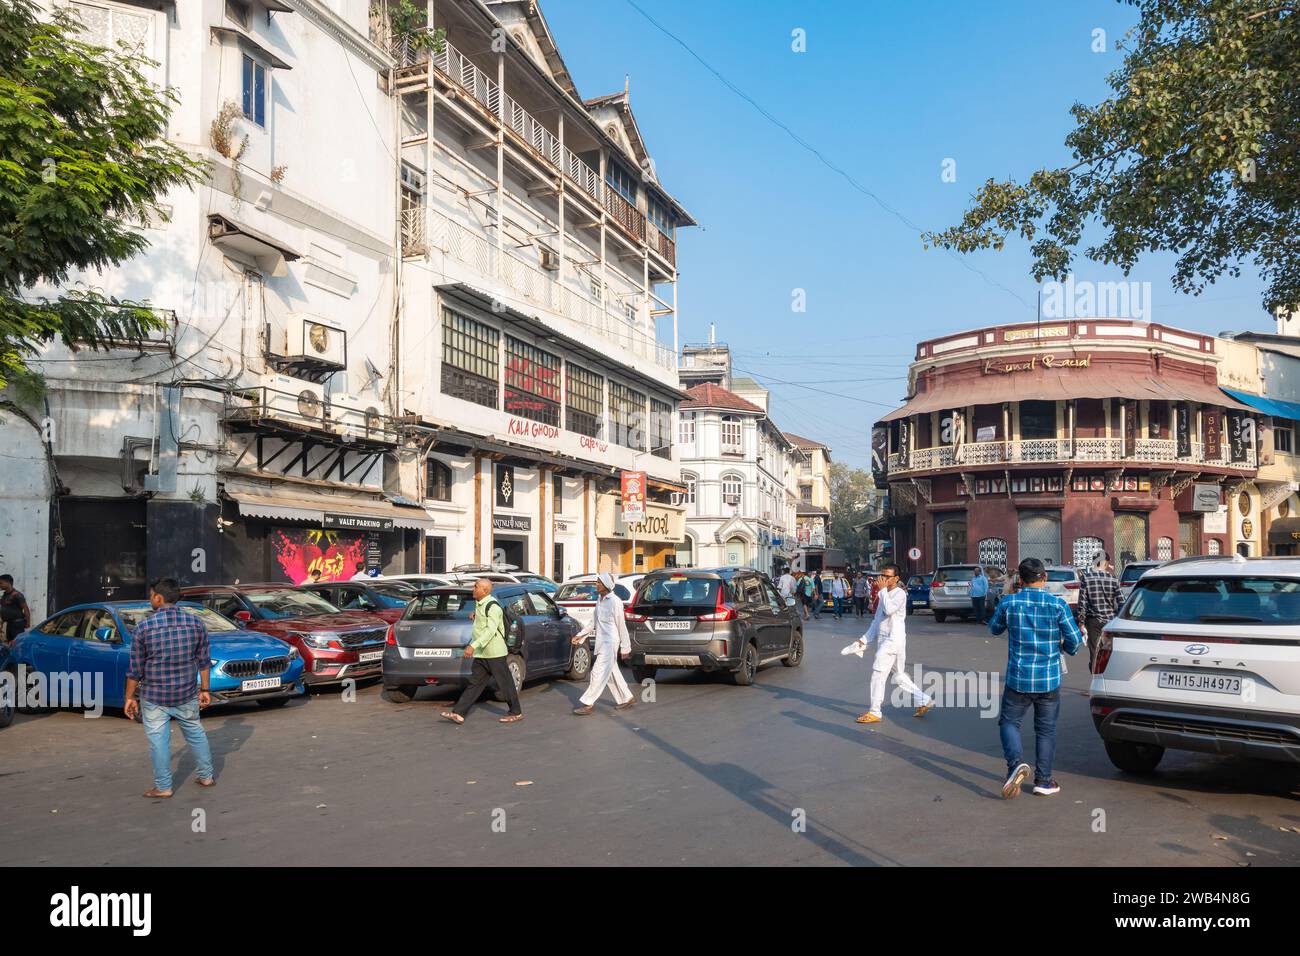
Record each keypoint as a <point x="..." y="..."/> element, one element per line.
<point x="633" y="497"/>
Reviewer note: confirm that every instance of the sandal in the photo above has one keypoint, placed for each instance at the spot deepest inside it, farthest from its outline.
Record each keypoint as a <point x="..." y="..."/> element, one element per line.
<point x="511" y="718"/>
<point x="451" y="715"/>
<point x="157" y="794"/>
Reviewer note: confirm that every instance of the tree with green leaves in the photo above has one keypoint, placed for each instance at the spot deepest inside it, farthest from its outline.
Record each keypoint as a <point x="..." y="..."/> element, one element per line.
<point x="1197" y="152"/>
<point x="853" y="500"/>
<point x="83" y="156"/>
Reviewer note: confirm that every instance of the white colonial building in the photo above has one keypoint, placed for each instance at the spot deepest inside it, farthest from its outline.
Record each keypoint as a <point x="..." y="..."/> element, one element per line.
<point x="737" y="467"/>
<point x="425" y="288"/>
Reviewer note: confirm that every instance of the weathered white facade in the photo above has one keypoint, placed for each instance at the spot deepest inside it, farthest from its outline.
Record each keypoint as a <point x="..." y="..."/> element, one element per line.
<point x="737" y="467"/>
<point x="362" y="197"/>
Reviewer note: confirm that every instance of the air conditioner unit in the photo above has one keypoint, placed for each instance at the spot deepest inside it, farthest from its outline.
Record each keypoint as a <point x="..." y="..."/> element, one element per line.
<point x="303" y="337"/>
<point x="356" y="416"/>
<point x="294" y="399"/>
<point x="412" y="178"/>
<point x="550" y="259"/>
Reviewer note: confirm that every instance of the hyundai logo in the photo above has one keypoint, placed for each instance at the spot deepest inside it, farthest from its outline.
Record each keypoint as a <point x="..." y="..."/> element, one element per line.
<point x="1196" y="650"/>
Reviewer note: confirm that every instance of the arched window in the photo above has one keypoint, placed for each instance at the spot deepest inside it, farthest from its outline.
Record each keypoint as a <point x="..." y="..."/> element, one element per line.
<point x="1130" y="538"/>
<point x="731" y="485"/>
<point x="993" y="552"/>
<point x="1164" y="549"/>
<point x="737" y="551"/>
<point x="689" y="481"/>
<point x="950" y="540"/>
<point x="1212" y="546"/>
<point x="438" y="481"/>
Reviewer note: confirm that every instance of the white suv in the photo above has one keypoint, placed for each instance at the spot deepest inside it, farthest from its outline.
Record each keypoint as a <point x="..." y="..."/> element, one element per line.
<point x="1205" y="656"/>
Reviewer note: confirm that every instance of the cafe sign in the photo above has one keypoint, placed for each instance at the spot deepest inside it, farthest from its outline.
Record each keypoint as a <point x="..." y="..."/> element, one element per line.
<point x="659" y="523"/>
<point x="1049" y="361"/>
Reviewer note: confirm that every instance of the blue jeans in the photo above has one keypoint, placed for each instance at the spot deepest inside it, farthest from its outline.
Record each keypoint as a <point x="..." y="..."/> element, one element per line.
<point x="1046" y="709"/>
<point x="839" y="605"/>
<point x="157" y="727"/>
<point x="977" y="605"/>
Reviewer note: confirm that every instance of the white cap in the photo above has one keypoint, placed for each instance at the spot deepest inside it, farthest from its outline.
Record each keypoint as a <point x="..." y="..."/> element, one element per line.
<point x="606" y="579"/>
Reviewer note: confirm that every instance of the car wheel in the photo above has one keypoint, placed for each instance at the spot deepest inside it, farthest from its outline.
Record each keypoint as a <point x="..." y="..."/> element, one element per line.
<point x="940" y="617"/>
<point x="518" y="671"/>
<point x="7" y="706"/>
<point x="580" y="665"/>
<point x="640" y="672"/>
<point x="1133" y="757"/>
<point x="271" y="703"/>
<point x="795" y="657"/>
<point x="401" y="695"/>
<point x="744" y="675"/>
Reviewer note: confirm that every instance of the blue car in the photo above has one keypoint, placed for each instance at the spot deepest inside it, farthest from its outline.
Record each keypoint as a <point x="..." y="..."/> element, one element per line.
<point x="918" y="591"/>
<point x="91" y="639"/>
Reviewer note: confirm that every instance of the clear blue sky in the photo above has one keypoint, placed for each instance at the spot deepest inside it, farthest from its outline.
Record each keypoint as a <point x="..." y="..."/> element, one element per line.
<point x="886" y="92"/>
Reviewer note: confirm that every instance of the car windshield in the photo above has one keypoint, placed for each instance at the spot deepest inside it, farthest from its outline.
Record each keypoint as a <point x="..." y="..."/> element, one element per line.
<point x="678" y="590"/>
<point x="441" y="606"/>
<point x="394" y="595"/>
<point x="1215" y="600"/>
<point x="1062" y="575"/>
<point x="581" y="591"/>
<point x="1134" y="571"/>
<point x="916" y="581"/>
<point x="285" y="603"/>
<point x="214" y="622"/>
<point x="953" y="575"/>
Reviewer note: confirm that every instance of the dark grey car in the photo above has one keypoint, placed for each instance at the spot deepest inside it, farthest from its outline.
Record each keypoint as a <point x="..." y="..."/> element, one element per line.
<point x="721" y="619"/>
<point x="427" y="644"/>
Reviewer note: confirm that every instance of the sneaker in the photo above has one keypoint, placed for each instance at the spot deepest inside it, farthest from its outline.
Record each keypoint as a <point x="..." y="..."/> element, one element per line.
<point x="1046" y="788"/>
<point x="1011" y="789"/>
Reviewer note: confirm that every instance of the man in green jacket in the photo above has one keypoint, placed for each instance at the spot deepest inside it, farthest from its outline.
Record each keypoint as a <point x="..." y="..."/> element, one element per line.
<point x="487" y="647"/>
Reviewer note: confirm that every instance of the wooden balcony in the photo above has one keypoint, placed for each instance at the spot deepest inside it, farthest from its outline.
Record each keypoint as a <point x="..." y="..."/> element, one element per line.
<point x="625" y="214"/>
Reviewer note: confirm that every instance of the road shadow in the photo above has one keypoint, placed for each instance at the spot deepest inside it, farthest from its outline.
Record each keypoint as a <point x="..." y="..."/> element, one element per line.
<point x="759" y="794"/>
<point x="225" y="740"/>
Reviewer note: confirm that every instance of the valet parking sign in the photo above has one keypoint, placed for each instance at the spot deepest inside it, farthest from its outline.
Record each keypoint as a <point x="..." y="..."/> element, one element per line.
<point x="633" y="497"/>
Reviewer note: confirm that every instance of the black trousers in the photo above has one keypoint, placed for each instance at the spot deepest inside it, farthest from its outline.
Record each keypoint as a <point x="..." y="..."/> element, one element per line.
<point x="488" y="669"/>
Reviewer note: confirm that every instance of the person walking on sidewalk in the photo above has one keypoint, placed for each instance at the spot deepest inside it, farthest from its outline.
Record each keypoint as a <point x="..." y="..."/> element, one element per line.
<point x="861" y="593"/>
<point x="487" y="647"/>
<point x="815" y="593"/>
<point x="15" y="615"/>
<point x="979" y="591"/>
<point x="889" y="629"/>
<point x="805" y="588"/>
<point x="838" y="593"/>
<point x="1099" y="601"/>
<point x="612" y="643"/>
<point x="168" y="649"/>
<point x="786" y="584"/>
<point x="1039" y="625"/>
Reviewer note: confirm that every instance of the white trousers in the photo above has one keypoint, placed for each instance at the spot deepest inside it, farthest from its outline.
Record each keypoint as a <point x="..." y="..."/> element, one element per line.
<point x="891" y="658"/>
<point x="602" y="672"/>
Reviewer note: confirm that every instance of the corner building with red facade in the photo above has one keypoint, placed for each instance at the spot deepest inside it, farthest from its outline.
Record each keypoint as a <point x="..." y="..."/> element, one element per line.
<point x="1058" y="439"/>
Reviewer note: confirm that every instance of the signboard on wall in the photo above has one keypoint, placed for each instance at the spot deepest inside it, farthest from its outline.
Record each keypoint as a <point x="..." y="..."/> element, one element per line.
<point x="356" y="522"/>
<point x="659" y="523"/>
<point x="1205" y="498"/>
<point x="1130" y="429"/>
<point x="1183" y="430"/>
<point x="299" y="551"/>
<point x="512" y="523"/>
<point x="1241" y="435"/>
<point x="904" y="440"/>
<point x="880" y="455"/>
<point x="633" y="493"/>
<point x="505" y="486"/>
<point x="1212" y="431"/>
<point x="1216" y="522"/>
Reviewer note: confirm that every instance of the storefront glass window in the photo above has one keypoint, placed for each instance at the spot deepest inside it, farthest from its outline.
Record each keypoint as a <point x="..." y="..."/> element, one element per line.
<point x="469" y="359"/>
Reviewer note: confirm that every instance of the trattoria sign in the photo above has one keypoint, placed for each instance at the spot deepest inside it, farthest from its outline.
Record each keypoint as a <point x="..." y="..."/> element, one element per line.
<point x="993" y="367"/>
<point x="660" y="523"/>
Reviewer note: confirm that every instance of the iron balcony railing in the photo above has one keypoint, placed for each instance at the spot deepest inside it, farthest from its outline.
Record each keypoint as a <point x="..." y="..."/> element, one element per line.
<point x="1065" y="451"/>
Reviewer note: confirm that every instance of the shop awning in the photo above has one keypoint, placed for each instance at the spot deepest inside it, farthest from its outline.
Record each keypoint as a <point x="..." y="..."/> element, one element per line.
<point x="1045" y="386"/>
<point x="247" y="43"/>
<point x="1269" y="406"/>
<point x="311" y="509"/>
<point x="1284" y="531"/>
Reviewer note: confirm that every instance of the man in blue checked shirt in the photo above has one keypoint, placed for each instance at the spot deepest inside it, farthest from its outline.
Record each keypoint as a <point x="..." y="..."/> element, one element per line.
<point x="170" y="664"/>
<point x="1039" y="625"/>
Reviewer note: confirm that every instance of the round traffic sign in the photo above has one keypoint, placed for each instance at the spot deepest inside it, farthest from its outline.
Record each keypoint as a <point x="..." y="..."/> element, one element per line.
<point x="914" y="554"/>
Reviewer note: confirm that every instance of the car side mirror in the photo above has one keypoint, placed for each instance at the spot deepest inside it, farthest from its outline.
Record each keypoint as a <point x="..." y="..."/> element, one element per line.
<point x="244" y="616"/>
<point x="105" y="634"/>
<point x="789" y="602"/>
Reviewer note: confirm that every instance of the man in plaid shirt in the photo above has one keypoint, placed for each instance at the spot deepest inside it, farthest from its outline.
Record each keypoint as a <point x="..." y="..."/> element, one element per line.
<point x="1039" y="626"/>
<point x="1099" y="601"/>
<point x="168" y="649"/>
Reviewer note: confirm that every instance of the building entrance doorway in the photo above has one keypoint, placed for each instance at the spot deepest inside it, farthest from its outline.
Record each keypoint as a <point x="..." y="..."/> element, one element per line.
<point x="510" y="551"/>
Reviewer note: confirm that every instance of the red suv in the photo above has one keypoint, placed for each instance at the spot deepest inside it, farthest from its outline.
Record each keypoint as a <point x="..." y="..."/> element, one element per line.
<point x="334" y="644"/>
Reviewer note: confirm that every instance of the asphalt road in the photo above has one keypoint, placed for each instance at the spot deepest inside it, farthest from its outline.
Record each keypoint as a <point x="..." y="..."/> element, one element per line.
<point x="707" y="773"/>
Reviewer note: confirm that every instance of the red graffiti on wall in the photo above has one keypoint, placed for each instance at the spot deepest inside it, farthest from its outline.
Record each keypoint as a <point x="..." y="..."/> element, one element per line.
<point x="299" y="553"/>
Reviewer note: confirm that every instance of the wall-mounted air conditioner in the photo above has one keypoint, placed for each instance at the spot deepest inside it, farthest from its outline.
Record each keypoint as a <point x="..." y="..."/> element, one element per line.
<point x="550" y="259"/>
<point x="305" y="338"/>
<point x="294" y="399"/>
<point x="356" y="416"/>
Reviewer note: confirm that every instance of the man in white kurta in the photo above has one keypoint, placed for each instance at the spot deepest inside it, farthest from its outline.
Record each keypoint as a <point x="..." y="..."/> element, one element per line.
<point x="612" y="642"/>
<point x="889" y="630"/>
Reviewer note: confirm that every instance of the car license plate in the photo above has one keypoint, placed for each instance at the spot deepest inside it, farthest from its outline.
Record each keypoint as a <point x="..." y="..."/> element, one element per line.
<point x="260" y="683"/>
<point x="1214" y="683"/>
<point x="433" y="652"/>
<point x="367" y="656"/>
<point x="673" y="625"/>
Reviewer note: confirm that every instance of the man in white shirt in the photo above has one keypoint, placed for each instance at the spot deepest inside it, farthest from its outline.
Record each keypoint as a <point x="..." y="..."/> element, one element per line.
<point x="838" y="593"/>
<point x="612" y="642"/>
<point x="361" y="572"/>
<point x="786" y="584"/>
<point x="889" y="629"/>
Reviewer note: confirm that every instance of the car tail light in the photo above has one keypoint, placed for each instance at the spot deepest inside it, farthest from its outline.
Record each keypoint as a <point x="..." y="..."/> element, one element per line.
<point x="631" y="615"/>
<point x="1101" y="710"/>
<point x="391" y="636"/>
<point x="1104" y="647"/>
<point x="1072" y="585"/>
<point x="723" y="612"/>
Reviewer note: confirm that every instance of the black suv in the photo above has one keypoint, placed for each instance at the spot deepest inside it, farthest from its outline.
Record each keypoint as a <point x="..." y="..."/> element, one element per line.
<point x="719" y="619"/>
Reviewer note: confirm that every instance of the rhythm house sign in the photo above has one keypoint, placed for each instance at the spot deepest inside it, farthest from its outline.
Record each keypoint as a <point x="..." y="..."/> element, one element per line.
<point x="1038" y="361"/>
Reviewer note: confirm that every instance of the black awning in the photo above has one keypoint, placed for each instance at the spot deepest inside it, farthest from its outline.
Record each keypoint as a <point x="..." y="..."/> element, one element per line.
<point x="1284" y="531"/>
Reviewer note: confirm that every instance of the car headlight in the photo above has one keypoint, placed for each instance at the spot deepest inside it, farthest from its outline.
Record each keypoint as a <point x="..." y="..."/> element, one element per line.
<point x="319" y="641"/>
<point x="214" y="664"/>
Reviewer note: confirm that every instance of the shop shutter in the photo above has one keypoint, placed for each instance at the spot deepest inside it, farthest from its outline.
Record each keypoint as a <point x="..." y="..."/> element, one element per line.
<point x="950" y="541"/>
<point x="1040" y="537"/>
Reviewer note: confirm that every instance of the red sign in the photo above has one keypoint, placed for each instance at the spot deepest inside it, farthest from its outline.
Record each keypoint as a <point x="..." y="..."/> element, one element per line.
<point x="335" y="555"/>
<point x="633" y="497"/>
